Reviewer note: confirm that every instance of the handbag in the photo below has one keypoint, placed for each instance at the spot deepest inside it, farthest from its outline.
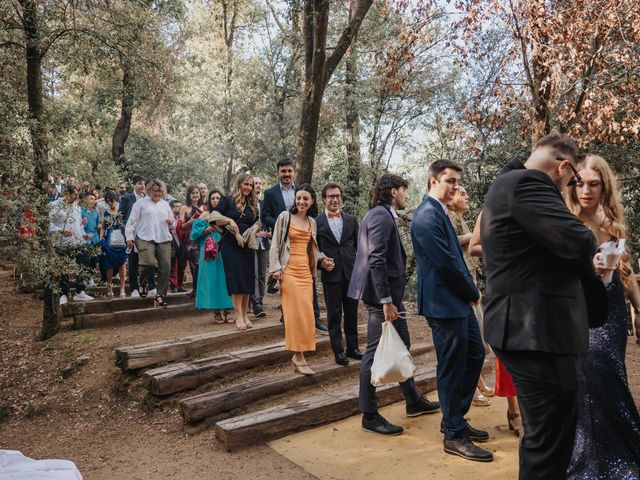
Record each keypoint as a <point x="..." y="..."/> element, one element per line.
<point x="273" y="285"/>
<point x="392" y="361"/>
<point x="210" y="249"/>
<point x="116" y="239"/>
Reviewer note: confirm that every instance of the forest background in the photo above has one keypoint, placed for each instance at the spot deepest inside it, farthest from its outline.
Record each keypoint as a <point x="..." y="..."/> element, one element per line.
<point x="196" y="90"/>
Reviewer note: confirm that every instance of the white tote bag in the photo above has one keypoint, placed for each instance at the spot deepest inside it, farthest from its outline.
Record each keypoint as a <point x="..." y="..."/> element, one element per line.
<point x="392" y="361"/>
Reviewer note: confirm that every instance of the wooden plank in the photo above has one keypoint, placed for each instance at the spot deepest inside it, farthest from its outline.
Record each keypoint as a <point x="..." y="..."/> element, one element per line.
<point x="311" y="412"/>
<point x="209" y="404"/>
<point x="101" y="290"/>
<point x="157" y="353"/>
<point x="106" y="305"/>
<point x="123" y="317"/>
<point x="181" y="376"/>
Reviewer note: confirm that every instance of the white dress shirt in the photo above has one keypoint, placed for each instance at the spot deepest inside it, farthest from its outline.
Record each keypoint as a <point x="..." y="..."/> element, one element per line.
<point x="444" y="207"/>
<point x="147" y="221"/>
<point x="66" y="216"/>
<point x="288" y="195"/>
<point x="335" y="224"/>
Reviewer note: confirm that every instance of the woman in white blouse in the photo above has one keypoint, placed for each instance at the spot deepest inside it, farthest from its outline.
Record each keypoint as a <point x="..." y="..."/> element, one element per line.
<point x="149" y="228"/>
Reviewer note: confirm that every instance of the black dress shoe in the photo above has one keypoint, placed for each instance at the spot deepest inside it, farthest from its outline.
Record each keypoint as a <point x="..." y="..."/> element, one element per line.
<point x="424" y="406"/>
<point x="259" y="313"/>
<point x="355" y="354"/>
<point x="381" y="426"/>
<point x="281" y="319"/>
<point x="472" y="433"/>
<point x="341" y="359"/>
<point x="464" y="448"/>
<point x="320" y="326"/>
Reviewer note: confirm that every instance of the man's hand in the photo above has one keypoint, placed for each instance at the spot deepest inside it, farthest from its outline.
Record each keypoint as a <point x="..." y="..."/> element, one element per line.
<point x="390" y="312"/>
<point x="328" y="264"/>
<point x="130" y="244"/>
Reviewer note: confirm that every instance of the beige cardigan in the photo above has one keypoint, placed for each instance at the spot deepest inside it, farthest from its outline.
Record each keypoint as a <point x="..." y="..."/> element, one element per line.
<point x="280" y="250"/>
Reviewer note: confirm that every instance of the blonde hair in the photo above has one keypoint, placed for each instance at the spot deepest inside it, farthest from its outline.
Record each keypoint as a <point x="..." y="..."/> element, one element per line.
<point x="611" y="203"/>
<point x="236" y="194"/>
<point x="457" y="205"/>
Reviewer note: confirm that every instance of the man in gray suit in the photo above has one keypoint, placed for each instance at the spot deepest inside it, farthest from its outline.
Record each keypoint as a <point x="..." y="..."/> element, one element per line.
<point x="379" y="280"/>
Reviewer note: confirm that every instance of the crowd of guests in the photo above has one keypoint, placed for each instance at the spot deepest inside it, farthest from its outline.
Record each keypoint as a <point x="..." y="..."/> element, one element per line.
<point x="557" y="330"/>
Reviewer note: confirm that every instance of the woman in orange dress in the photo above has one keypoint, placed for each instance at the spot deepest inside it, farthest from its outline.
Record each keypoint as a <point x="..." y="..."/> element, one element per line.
<point x="293" y="258"/>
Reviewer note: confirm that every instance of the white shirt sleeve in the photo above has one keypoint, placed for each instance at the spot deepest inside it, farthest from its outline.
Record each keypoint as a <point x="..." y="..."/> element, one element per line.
<point x="134" y="218"/>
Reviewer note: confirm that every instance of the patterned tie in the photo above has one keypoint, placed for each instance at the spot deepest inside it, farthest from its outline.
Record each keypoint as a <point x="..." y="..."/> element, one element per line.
<point x="337" y="214"/>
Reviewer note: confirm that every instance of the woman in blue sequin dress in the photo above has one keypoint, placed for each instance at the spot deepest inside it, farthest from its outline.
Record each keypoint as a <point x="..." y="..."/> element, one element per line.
<point x="607" y="444"/>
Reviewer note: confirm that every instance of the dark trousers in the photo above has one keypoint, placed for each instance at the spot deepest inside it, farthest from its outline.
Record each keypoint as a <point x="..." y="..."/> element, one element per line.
<point x="82" y="258"/>
<point x="262" y="259"/>
<point x="367" y="402"/>
<point x="460" y="355"/>
<point x="335" y="297"/>
<point x="547" y="386"/>
<point x="133" y="274"/>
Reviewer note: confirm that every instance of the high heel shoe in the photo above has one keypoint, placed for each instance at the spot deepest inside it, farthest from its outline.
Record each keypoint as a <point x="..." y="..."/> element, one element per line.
<point x="158" y="301"/>
<point x="240" y="326"/>
<point x="123" y="293"/>
<point x="486" y="391"/>
<point x="248" y="323"/>
<point x="481" y="401"/>
<point x="302" y="368"/>
<point x="143" y="291"/>
<point x="515" y="422"/>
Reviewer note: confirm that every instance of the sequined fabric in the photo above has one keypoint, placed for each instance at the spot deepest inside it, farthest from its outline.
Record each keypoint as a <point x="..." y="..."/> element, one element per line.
<point x="607" y="444"/>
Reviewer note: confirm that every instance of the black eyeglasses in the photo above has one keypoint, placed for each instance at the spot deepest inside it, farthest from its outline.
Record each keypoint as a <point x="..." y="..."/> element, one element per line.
<point x="576" y="177"/>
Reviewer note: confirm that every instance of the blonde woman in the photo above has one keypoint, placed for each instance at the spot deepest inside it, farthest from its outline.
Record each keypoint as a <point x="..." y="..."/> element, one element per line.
<point x="240" y="210"/>
<point x="608" y="430"/>
<point x="293" y="258"/>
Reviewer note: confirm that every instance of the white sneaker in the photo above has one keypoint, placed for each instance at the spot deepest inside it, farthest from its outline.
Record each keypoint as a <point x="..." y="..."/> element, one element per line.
<point x="135" y="294"/>
<point x="63" y="300"/>
<point x="117" y="276"/>
<point x="83" y="297"/>
<point x="91" y="283"/>
<point x="152" y="293"/>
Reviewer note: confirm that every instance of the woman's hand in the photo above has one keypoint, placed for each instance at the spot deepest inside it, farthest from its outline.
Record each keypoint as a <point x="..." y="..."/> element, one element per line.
<point x="233" y="227"/>
<point x="636" y="323"/>
<point x="277" y="275"/>
<point x="328" y="264"/>
<point x="600" y="265"/>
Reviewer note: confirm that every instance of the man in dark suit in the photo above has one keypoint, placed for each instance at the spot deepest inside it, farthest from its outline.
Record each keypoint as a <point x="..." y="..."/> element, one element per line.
<point x="262" y="257"/>
<point x="379" y="280"/>
<point x="126" y="204"/>
<point x="277" y="199"/>
<point x="446" y="294"/>
<point x="338" y="238"/>
<point x="538" y="259"/>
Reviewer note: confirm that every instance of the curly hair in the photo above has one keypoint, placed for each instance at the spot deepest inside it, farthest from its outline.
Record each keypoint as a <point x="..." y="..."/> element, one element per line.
<point x="615" y="224"/>
<point x="386" y="183"/>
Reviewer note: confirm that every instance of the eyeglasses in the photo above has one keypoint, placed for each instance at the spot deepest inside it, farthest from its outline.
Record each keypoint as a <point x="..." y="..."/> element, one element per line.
<point x="576" y="177"/>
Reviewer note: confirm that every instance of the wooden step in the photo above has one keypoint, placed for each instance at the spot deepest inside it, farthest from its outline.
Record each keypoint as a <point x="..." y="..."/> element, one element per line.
<point x="158" y="353"/>
<point x="105" y="305"/>
<point x="311" y="412"/>
<point x="138" y="315"/>
<point x="178" y="377"/>
<point x="99" y="290"/>
<point x="209" y="404"/>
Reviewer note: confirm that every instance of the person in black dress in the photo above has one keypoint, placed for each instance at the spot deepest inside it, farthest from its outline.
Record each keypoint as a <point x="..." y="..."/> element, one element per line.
<point x="241" y="210"/>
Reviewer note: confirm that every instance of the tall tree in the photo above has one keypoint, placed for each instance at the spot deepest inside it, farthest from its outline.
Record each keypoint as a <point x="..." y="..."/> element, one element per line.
<point x="318" y="71"/>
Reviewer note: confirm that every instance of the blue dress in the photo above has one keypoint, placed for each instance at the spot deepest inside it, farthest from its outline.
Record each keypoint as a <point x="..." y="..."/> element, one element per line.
<point x="112" y="257"/>
<point x="211" y="292"/>
<point x="607" y="444"/>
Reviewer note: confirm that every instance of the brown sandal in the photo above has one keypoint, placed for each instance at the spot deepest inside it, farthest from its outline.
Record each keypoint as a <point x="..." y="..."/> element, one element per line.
<point x="217" y="318"/>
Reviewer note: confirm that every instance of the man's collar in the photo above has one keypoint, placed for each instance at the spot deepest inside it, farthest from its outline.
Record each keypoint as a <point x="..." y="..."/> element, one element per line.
<point x="446" y="210"/>
<point x="282" y="187"/>
<point x="393" y="212"/>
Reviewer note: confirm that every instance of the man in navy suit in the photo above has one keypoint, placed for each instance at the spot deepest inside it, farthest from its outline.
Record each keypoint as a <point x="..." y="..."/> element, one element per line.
<point x="338" y="238"/>
<point x="446" y="294"/>
<point x="126" y="204"/>
<point x="262" y="257"/>
<point x="379" y="279"/>
<point x="277" y="199"/>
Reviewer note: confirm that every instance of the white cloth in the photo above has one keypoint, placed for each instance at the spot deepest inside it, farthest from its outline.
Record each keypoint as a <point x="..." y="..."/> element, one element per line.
<point x="147" y="221"/>
<point x="335" y="224"/>
<point x="261" y="242"/>
<point x="288" y="195"/>
<point x="444" y="207"/>
<point x="65" y="216"/>
<point x="15" y="466"/>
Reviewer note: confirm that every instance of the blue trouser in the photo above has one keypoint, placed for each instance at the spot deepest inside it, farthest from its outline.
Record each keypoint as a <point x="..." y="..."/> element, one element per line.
<point x="367" y="402"/>
<point x="460" y="355"/>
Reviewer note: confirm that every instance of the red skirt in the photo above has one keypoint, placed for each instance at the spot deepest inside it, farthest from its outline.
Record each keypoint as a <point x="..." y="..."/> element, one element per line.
<point x="504" y="382"/>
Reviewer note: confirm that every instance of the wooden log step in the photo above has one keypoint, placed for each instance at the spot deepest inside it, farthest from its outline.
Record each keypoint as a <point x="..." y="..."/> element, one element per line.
<point x="209" y="404"/>
<point x="101" y="290"/>
<point x="157" y="353"/>
<point x="124" y="317"/>
<point x="181" y="376"/>
<point x="311" y="412"/>
<point x="106" y="305"/>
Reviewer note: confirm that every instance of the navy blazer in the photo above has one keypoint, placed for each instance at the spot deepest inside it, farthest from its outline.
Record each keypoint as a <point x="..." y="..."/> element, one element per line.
<point x="343" y="252"/>
<point x="379" y="271"/>
<point x="272" y="206"/>
<point x="126" y="204"/>
<point x="445" y="286"/>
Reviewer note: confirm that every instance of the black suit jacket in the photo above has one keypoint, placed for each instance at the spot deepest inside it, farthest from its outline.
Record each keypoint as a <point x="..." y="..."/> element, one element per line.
<point x="343" y="252"/>
<point x="272" y="206"/>
<point x="126" y="204"/>
<point x="537" y="255"/>
<point x="379" y="271"/>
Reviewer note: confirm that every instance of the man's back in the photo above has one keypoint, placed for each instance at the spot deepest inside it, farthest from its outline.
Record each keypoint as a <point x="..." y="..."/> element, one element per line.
<point x="535" y="252"/>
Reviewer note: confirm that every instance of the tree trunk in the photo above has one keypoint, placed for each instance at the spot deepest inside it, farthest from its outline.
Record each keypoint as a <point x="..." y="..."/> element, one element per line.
<point x="121" y="133"/>
<point x="38" y="132"/>
<point x="354" y="155"/>
<point x="229" y="16"/>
